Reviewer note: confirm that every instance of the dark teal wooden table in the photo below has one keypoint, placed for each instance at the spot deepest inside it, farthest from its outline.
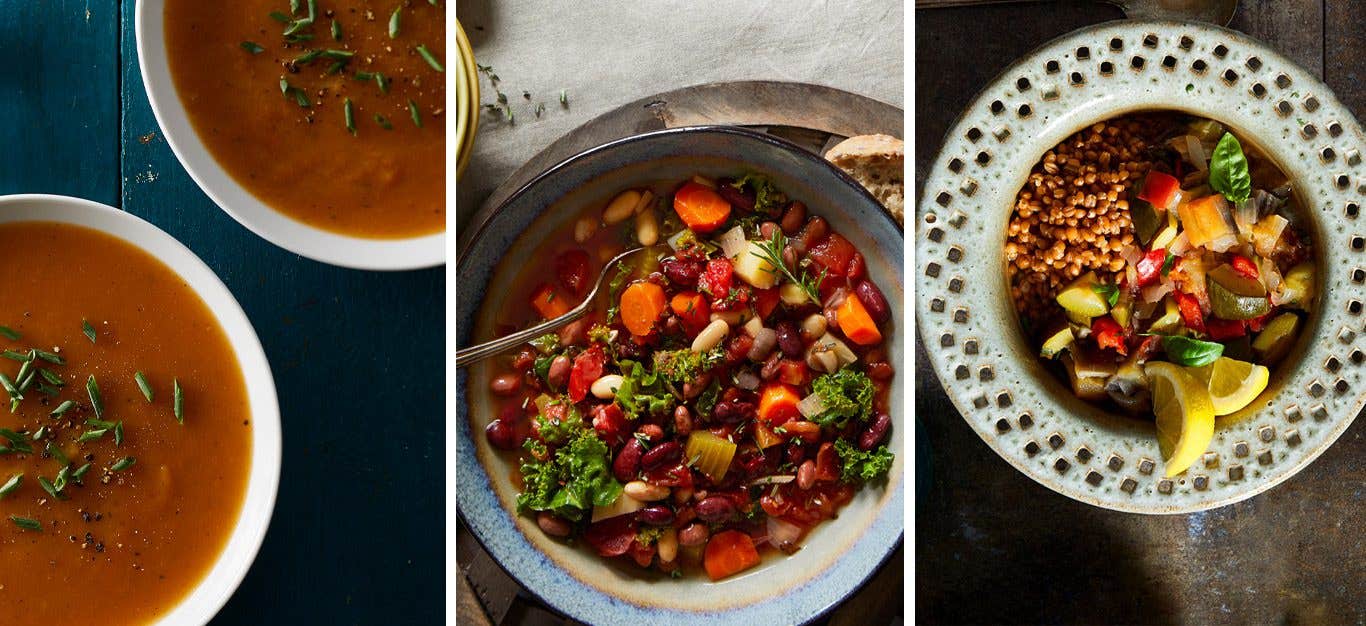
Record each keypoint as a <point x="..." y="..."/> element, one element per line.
<point x="358" y="358"/>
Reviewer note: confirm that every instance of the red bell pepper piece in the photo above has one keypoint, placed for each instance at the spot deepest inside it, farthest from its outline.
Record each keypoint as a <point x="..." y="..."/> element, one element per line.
<point x="1221" y="330"/>
<point x="1109" y="334"/>
<point x="1256" y="324"/>
<point x="1150" y="266"/>
<point x="1160" y="189"/>
<point x="1190" y="311"/>
<point x="1244" y="266"/>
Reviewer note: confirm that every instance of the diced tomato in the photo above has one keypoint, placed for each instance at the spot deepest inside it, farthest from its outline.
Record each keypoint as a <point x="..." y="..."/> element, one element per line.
<point x="1150" y="267"/>
<point x="1109" y="334"/>
<point x="716" y="279"/>
<point x="588" y="367"/>
<point x="1160" y="190"/>
<point x="1220" y="330"/>
<point x="549" y="302"/>
<point x="729" y="552"/>
<point x="692" y="310"/>
<point x="833" y="254"/>
<point x="765" y="301"/>
<point x="737" y="299"/>
<point x="612" y="536"/>
<point x="610" y="423"/>
<point x="1190" y="311"/>
<point x="571" y="267"/>
<point x="1256" y="324"/>
<point x="794" y="372"/>
<point x="827" y="463"/>
<point x="1244" y="266"/>
<point x="679" y="475"/>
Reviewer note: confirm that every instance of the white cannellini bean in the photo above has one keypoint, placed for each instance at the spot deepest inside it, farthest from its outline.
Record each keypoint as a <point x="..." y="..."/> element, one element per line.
<point x="607" y="386"/>
<point x="646" y="197"/>
<point x="621" y="207"/>
<point x="647" y="228"/>
<point x="814" y="326"/>
<point x="585" y="228"/>
<point x="791" y="294"/>
<point x="668" y="544"/>
<point x="734" y="318"/>
<point x="645" y="492"/>
<point x="704" y="181"/>
<point x="711" y="336"/>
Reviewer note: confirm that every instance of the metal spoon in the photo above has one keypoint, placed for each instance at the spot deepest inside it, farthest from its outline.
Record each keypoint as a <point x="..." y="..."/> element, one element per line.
<point x="1214" y="11"/>
<point x="476" y="353"/>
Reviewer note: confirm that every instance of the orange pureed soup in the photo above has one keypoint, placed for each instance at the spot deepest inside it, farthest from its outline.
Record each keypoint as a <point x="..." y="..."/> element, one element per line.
<point x="126" y="539"/>
<point x="272" y="107"/>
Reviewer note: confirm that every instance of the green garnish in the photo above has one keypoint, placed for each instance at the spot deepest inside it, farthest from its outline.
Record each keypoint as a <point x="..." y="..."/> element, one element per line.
<point x="383" y="122"/>
<point x="88" y="330"/>
<point x="18" y="443"/>
<point x="118" y="434"/>
<point x="92" y="435"/>
<point x="11" y="484"/>
<point x="16" y="356"/>
<point x="847" y="394"/>
<point x="1167" y="263"/>
<point x="92" y="388"/>
<point x="62" y="408"/>
<point x="26" y="523"/>
<point x="564" y="98"/>
<point x="306" y="58"/>
<point x="98" y="423"/>
<point x="9" y="333"/>
<point x="336" y="31"/>
<point x="773" y="255"/>
<point x="38" y="434"/>
<point x="50" y="357"/>
<point x="9" y="386"/>
<point x="382" y="82"/>
<point x="1107" y="291"/>
<point x="364" y="76"/>
<point x="394" y="22"/>
<point x="57" y="453"/>
<point x="252" y="47"/>
<point x="179" y="403"/>
<point x="1191" y="352"/>
<point x="1228" y="170"/>
<point x="145" y="386"/>
<point x="51" y="489"/>
<point x="80" y="472"/>
<point x="123" y="464"/>
<point x="859" y="466"/>
<point x="350" y="116"/>
<point x="431" y="60"/>
<point x="417" y="115"/>
<point x="570" y="482"/>
<point x="300" y="97"/>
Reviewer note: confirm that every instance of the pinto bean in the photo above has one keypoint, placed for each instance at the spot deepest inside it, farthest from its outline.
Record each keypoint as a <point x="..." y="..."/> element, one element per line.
<point x="558" y="374"/>
<point x="767" y="229"/>
<point x="552" y="524"/>
<point x="815" y="230"/>
<point x="682" y="421"/>
<point x="505" y="384"/>
<point x="806" y="474"/>
<point x="694" y="534"/>
<point x="716" y="509"/>
<point x="872" y="299"/>
<point x="627" y="463"/>
<point x="876" y="432"/>
<point x="793" y="218"/>
<point x="661" y="455"/>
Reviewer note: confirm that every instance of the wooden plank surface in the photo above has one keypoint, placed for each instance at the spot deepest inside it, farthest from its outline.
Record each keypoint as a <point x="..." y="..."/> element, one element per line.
<point x="995" y="547"/>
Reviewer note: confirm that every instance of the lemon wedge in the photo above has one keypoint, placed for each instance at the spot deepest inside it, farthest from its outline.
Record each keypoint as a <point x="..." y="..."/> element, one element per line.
<point x="1184" y="412"/>
<point x="1232" y="384"/>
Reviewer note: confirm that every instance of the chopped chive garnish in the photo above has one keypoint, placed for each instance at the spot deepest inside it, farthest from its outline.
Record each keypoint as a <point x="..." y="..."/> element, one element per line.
<point x="298" y="25"/>
<point x="62" y="408"/>
<point x="56" y="452"/>
<point x="417" y="115"/>
<point x="431" y="60"/>
<point x="145" y="386"/>
<point x="383" y="122"/>
<point x="60" y="481"/>
<point x="279" y="17"/>
<point x="294" y="6"/>
<point x="179" y="404"/>
<point x="123" y="464"/>
<point x="26" y="523"/>
<point x="336" y="31"/>
<point x="80" y="472"/>
<point x="307" y="57"/>
<point x="252" y="47"/>
<point x="312" y="10"/>
<point x="299" y="96"/>
<point x="15" y="356"/>
<point x="51" y="378"/>
<point x="10" y="387"/>
<point x="48" y="390"/>
<point x="350" y="123"/>
<point x="118" y="434"/>
<point x="365" y="76"/>
<point x="92" y="435"/>
<point x="24" y="370"/>
<point x="11" y="484"/>
<point x="42" y="430"/>
<point x="99" y="423"/>
<point x="93" y="389"/>
<point x="382" y="81"/>
<point x="50" y="357"/>
<point x="26" y="382"/>
<point x="88" y="330"/>
<point x="335" y="68"/>
<point x="394" y="23"/>
<point x="50" y="488"/>
<point x="344" y="55"/>
<point x="9" y="333"/>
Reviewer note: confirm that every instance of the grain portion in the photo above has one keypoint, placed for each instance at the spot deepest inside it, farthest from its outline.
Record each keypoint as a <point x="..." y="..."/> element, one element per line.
<point x="1072" y="216"/>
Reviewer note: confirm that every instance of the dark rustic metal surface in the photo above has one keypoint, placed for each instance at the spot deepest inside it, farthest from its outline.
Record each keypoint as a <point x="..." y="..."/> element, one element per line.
<point x="992" y="546"/>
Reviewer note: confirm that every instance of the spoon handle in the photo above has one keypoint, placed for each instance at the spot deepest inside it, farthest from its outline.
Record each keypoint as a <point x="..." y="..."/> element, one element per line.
<point x="476" y="353"/>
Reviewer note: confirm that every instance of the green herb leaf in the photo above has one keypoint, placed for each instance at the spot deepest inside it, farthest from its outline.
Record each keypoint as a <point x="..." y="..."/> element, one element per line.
<point x="11" y="484"/>
<point x="179" y="404"/>
<point x="252" y="47"/>
<point x="92" y="388"/>
<point x="62" y="408"/>
<point x="564" y="98"/>
<point x="1191" y="352"/>
<point x="88" y="330"/>
<point x="92" y="435"/>
<point x="1228" y="170"/>
<point x="98" y="423"/>
<point x="50" y="357"/>
<point x="51" y="489"/>
<point x="9" y="333"/>
<point x="1167" y="263"/>
<point x="40" y="433"/>
<point x="859" y="466"/>
<point x="772" y="253"/>
<point x="26" y="523"/>
<point x="382" y="82"/>
<point x="1107" y="291"/>
<point x="80" y="472"/>
<point x="145" y="386"/>
<point x="10" y="387"/>
<point x="336" y="31"/>
<point x="118" y="434"/>
<point x="347" y="109"/>
<point x="123" y="464"/>
<point x="383" y="122"/>
<point x="416" y="115"/>
<point x="394" y="20"/>
<point x="847" y="394"/>
<point x="431" y="60"/>
<point x="56" y="452"/>
<point x="294" y="6"/>
<point x="15" y="356"/>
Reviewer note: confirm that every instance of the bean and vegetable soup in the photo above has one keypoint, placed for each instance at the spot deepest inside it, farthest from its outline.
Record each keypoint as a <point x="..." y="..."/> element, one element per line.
<point x="728" y="393"/>
<point x="126" y="443"/>
<point x="329" y="111"/>
<point x="1161" y="266"/>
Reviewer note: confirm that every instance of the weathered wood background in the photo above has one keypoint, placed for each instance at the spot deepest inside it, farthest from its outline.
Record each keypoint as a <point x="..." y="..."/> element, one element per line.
<point x="357" y="356"/>
<point x="992" y="546"/>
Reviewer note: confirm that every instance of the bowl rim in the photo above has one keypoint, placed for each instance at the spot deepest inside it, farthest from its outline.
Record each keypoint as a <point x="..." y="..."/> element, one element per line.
<point x="1076" y="37"/>
<point x="221" y="580"/>
<point x="482" y="220"/>
<point x="321" y="245"/>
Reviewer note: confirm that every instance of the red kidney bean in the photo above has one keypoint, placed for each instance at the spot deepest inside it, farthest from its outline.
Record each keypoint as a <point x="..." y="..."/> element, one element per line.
<point x="661" y="455"/>
<point x="653" y="432"/>
<point x="524" y="359"/>
<point x="682" y="421"/>
<point x="682" y="272"/>
<point x="627" y="463"/>
<point x="558" y="374"/>
<point x="576" y="333"/>
<point x="656" y="515"/>
<point x="695" y="388"/>
<point x="789" y="341"/>
<point x="880" y="370"/>
<point x="876" y="432"/>
<point x="815" y="230"/>
<point x="738" y="347"/>
<point x="790" y="258"/>
<point x="501" y="435"/>
<point x="738" y="198"/>
<point x="694" y="534"/>
<point x="871" y="298"/>
<point x="552" y="524"/>
<point x="771" y="366"/>
<point x="795" y="453"/>
<point x="806" y="474"/>
<point x="857" y="266"/>
<point x="793" y="218"/>
<point x="716" y="509"/>
<point x="767" y="229"/>
<point x="505" y="384"/>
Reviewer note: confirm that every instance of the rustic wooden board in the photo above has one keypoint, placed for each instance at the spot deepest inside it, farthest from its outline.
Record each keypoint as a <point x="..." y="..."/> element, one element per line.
<point x="995" y="547"/>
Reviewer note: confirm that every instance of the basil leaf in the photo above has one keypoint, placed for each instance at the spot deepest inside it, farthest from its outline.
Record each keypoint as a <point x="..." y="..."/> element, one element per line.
<point x="1191" y="352"/>
<point x="1109" y="292"/>
<point x="1228" y="172"/>
<point x="1167" y="263"/>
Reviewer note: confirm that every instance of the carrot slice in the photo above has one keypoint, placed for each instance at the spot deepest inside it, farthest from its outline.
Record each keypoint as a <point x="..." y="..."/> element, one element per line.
<point x="857" y="325"/>
<point x="778" y="404"/>
<point x="765" y="301"/>
<point x="764" y="437"/>
<point x="641" y="304"/>
<point x="729" y="552"/>
<point x="700" y="207"/>
<point x="548" y="302"/>
<point x="691" y="309"/>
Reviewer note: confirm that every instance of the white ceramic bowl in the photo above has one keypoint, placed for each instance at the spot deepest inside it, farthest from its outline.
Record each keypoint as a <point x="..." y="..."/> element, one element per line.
<point x="204" y="601"/>
<point x="270" y="224"/>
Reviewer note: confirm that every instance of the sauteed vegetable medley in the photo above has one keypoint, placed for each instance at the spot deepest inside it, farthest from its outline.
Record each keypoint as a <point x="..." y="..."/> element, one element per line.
<point x="729" y="394"/>
<point x="1191" y="273"/>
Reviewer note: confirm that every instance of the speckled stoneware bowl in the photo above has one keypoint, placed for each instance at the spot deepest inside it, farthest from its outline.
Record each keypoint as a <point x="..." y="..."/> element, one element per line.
<point x="837" y="556"/>
<point x="963" y="308"/>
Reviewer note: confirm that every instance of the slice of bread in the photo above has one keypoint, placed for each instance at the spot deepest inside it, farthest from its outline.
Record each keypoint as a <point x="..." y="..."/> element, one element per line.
<point x="877" y="162"/>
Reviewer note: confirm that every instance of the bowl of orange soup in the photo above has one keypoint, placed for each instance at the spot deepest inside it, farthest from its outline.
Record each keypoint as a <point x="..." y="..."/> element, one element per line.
<point x="318" y="124"/>
<point x="140" y="441"/>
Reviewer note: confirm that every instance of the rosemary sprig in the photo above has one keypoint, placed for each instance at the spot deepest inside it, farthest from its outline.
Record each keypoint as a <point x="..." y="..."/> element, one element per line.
<point x="772" y="253"/>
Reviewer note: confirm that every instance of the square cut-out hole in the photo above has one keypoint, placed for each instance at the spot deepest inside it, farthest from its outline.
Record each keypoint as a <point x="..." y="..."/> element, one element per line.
<point x="1354" y="307"/>
<point x="1022" y="84"/>
<point x="1334" y="129"/>
<point x="1258" y="90"/>
<point x="1316" y="389"/>
<point x="1292" y="438"/>
<point x="1052" y="67"/>
<point x="1358" y="274"/>
<point x="1332" y="364"/>
<point x="1235" y="473"/>
<point x="983" y="158"/>
<point x="1094" y="478"/>
<point x="1164" y="487"/>
<point x="1083" y="53"/>
<point x="1145" y="466"/>
<point x="1115" y="463"/>
<point x="956" y="284"/>
<point x="1230" y="76"/>
<point x="1293" y="414"/>
<point x="1169" y="62"/>
<point x="1003" y="400"/>
<point x="1284" y="108"/>
<point x="958" y="219"/>
<point x="1201" y="483"/>
<point x="1107" y="68"/>
<point x="970" y="347"/>
<point x="943" y="198"/>
<point x="1266" y="433"/>
<point x="962" y="373"/>
<point x="1031" y="448"/>
<point x="956" y="165"/>
<point x="1084" y="454"/>
<point x="1241" y="449"/>
<point x="1353" y="158"/>
<point x="1199" y="66"/>
<point x="986" y="374"/>
<point x="1358" y="243"/>
<point x="946" y="340"/>
<point x="1318" y="412"/>
<point x="1328" y="155"/>
<point x="960" y="316"/>
<point x="1357" y="357"/>
<point x="1061" y="465"/>
<point x="1001" y="134"/>
<point x="1282" y="81"/>
<point x="1221" y="51"/>
<point x="1309" y="131"/>
<point x="1265" y="457"/>
<point x="1253" y="63"/>
<point x="1311" y="104"/>
<point x="1343" y="182"/>
<point x="1341" y="386"/>
<point x="1077" y="79"/>
<point x="936" y="234"/>
<point x="1002" y="425"/>
<point x="1116" y="44"/>
<point x="974" y="134"/>
<point x="937" y="305"/>
<point x="1128" y="485"/>
<point x="1025" y="110"/>
<point x="1055" y="441"/>
<point x="997" y="107"/>
<point x="980" y="402"/>
<point x="1150" y="40"/>
<point x="1026" y="420"/>
<point x="1137" y="62"/>
<point x="955" y="254"/>
<point x="1186" y="43"/>
<point x="932" y="270"/>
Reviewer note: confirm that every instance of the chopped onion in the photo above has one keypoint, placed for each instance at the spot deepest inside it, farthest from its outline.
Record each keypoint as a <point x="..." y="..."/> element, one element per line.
<point x="1180" y="245"/>
<point x="1145" y="310"/>
<point x="1245" y="216"/>
<point x="772" y="480"/>
<point x="1270" y="274"/>
<point x="1222" y="244"/>
<point x="1131" y="254"/>
<point x="781" y="532"/>
<point x="676" y="237"/>
<point x="623" y="505"/>
<point x="811" y="406"/>
<point x="1152" y="294"/>
<point x="1196" y="150"/>
<point x="733" y="242"/>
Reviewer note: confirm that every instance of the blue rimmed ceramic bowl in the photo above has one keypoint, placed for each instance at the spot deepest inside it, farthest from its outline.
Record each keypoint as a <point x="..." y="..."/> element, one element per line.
<point x="837" y="556"/>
